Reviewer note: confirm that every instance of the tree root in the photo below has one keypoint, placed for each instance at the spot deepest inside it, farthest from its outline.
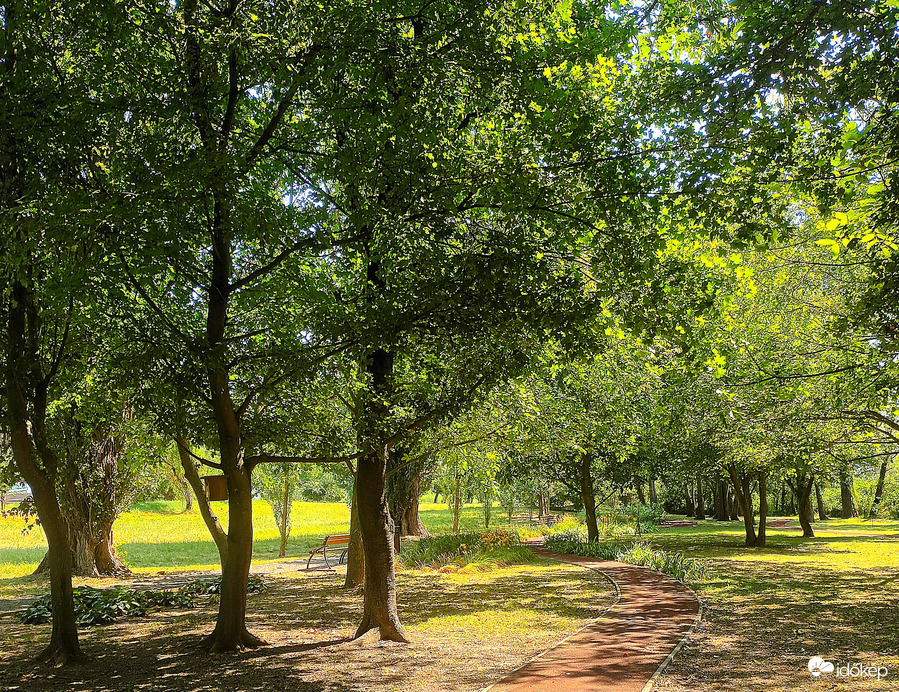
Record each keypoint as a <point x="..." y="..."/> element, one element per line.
<point x="59" y="655"/>
<point x="245" y="640"/>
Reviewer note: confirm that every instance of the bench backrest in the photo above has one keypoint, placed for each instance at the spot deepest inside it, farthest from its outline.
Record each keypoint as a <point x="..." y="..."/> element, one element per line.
<point x="337" y="540"/>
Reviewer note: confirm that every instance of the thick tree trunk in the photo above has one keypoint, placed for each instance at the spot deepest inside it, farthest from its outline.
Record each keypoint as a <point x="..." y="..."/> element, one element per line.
<point x="588" y="498"/>
<point x="847" y="506"/>
<point x="355" y="563"/>
<point x="700" y="500"/>
<point x="105" y="557"/>
<point x="379" y="604"/>
<point x="653" y="496"/>
<point x="822" y="515"/>
<point x="878" y="490"/>
<point x="732" y="506"/>
<point x="721" y="513"/>
<point x="803" y="492"/>
<point x="763" y="509"/>
<point x="743" y="492"/>
<point x="230" y="633"/>
<point x="403" y="490"/>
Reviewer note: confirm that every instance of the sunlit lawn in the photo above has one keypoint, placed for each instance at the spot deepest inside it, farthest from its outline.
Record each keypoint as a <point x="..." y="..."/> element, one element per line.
<point x="156" y="536"/>
<point x="768" y="611"/>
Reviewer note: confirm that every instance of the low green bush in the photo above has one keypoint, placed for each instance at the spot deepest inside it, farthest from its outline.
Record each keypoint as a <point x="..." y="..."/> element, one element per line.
<point x="494" y="548"/>
<point x="641" y="553"/>
<point x="646" y="517"/>
<point x="103" y="606"/>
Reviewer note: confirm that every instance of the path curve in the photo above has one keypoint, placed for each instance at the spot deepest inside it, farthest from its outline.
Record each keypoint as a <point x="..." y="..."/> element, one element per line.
<point x="626" y="647"/>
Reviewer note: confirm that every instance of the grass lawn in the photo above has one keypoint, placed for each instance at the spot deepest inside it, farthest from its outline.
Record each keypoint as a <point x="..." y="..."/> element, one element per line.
<point x="769" y="610"/>
<point x="156" y="537"/>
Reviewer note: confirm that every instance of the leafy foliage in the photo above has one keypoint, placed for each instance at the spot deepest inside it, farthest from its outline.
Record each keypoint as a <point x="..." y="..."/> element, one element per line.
<point x="640" y="553"/>
<point x="103" y="606"/>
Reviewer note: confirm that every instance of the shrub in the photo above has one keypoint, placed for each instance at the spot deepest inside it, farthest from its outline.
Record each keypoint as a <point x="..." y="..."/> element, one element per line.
<point x="103" y="606"/>
<point x="494" y="548"/>
<point x="646" y="517"/>
<point x="644" y="554"/>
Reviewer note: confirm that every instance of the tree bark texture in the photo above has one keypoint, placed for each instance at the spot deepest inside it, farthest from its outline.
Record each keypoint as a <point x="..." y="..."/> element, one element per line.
<point x="638" y="486"/>
<point x="379" y="604"/>
<point x="403" y="490"/>
<point x="822" y="514"/>
<point x="878" y="490"/>
<point x="803" y="492"/>
<point x="700" y="500"/>
<point x="37" y="463"/>
<point x="588" y="497"/>
<point x="355" y="563"/>
<point x="653" y="495"/>
<point x="742" y="484"/>
<point x="688" y="501"/>
<point x="761" y="537"/>
<point x="847" y="505"/>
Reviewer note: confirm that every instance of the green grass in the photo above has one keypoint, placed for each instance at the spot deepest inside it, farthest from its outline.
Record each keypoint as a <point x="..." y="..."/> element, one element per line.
<point x="156" y="536"/>
<point x="835" y="596"/>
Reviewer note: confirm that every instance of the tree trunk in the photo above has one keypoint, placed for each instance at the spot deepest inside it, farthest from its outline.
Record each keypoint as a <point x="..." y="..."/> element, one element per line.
<point x="27" y="441"/>
<point x="803" y="492"/>
<point x="403" y="490"/>
<point x="209" y="517"/>
<point x="230" y="633"/>
<point x="588" y="498"/>
<point x="878" y="490"/>
<point x="763" y="509"/>
<point x="847" y="506"/>
<point x="185" y="489"/>
<point x="105" y="558"/>
<point x="638" y="486"/>
<point x="743" y="492"/>
<point x="721" y="513"/>
<point x="379" y="604"/>
<point x="285" y="511"/>
<point x="653" y="496"/>
<point x="457" y="503"/>
<point x="688" y="501"/>
<point x="488" y="506"/>
<point x="355" y="563"/>
<point x="822" y="515"/>
<point x="700" y="500"/>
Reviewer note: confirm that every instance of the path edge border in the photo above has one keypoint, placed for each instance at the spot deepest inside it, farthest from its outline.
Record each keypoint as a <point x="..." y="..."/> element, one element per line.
<point x="670" y="657"/>
<point x="578" y="631"/>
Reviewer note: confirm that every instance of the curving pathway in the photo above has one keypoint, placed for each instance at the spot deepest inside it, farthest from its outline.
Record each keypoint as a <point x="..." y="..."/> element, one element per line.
<point x="624" y="649"/>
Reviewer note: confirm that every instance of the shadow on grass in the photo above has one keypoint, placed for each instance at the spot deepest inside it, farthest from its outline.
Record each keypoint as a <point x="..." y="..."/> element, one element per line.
<point x="307" y="622"/>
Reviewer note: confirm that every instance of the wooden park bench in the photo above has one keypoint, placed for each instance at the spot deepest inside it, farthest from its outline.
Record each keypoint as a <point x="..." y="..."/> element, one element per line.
<point x="338" y="543"/>
<point x="549" y="519"/>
